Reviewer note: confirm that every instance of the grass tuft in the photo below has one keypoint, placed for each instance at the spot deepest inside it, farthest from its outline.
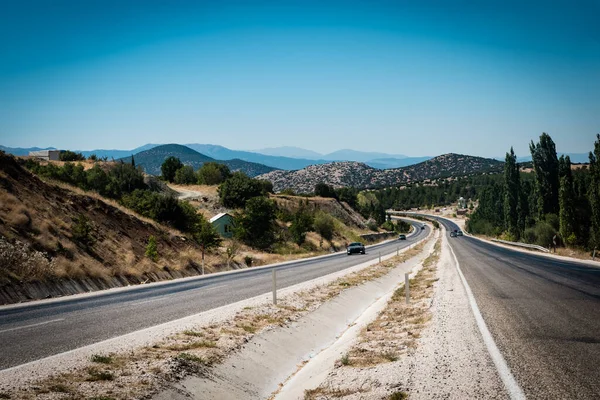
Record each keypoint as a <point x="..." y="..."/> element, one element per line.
<point x="95" y="375"/>
<point x="98" y="358"/>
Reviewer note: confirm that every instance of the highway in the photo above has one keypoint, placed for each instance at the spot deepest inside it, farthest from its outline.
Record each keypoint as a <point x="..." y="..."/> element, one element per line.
<point x="42" y="329"/>
<point x="543" y="313"/>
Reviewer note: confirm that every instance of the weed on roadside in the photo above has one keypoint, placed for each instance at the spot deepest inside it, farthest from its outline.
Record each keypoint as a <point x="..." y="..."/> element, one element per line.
<point x="95" y="375"/>
<point x="398" y="396"/>
<point x="98" y="358"/>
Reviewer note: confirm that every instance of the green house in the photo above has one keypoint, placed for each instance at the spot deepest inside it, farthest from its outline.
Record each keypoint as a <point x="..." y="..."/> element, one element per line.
<point x="223" y="223"/>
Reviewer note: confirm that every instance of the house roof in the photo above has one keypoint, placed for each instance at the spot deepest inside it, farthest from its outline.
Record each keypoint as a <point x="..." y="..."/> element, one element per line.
<point x="218" y="216"/>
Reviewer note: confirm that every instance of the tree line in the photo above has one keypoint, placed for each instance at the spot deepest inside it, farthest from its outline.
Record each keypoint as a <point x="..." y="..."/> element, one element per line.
<point x="554" y="203"/>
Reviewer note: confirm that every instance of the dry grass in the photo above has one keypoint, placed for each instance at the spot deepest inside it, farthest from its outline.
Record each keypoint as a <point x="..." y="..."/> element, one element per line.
<point x="330" y="393"/>
<point x="399" y="325"/>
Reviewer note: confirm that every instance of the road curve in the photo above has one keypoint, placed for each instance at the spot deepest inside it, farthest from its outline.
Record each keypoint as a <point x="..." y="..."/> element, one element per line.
<point x="42" y="329"/>
<point x="543" y="313"/>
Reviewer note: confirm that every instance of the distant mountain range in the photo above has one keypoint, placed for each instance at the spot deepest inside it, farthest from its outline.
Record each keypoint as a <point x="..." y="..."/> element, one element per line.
<point x="152" y="159"/>
<point x="360" y="175"/>
<point x="277" y="158"/>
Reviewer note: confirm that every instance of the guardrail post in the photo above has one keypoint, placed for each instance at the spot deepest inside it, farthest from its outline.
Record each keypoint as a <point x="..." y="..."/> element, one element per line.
<point x="397" y="250"/>
<point x="594" y="255"/>
<point x="274" y="286"/>
<point x="379" y="257"/>
<point x="407" y="287"/>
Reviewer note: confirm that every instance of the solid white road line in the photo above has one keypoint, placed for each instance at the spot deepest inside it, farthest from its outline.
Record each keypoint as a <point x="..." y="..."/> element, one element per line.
<point x="514" y="390"/>
<point x="32" y="325"/>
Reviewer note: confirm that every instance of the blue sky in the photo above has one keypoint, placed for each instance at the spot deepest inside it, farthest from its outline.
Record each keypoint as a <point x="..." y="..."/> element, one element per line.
<point x="417" y="78"/>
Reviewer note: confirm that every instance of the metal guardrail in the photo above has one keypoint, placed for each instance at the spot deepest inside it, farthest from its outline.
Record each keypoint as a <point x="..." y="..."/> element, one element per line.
<point x="519" y="244"/>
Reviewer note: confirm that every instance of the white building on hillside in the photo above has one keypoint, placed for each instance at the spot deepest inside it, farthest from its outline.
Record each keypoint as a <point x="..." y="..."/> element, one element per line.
<point x="48" y="155"/>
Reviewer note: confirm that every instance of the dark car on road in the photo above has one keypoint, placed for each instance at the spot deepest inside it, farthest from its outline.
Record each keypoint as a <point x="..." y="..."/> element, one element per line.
<point x="402" y="237"/>
<point x="453" y="233"/>
<point x="355" y="247"/>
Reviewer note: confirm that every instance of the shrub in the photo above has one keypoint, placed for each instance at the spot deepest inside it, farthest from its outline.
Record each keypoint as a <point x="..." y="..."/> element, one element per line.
<point x="212" y="173"/>
<point x="325" y="190"/>
<point x="302" y="222"/>
<point x="22" y="262"/>
<point x="169" y="168"/>
<point x="238" y="189"/>
<point x="82" y="231"/>
<point x="324" y="225"/>
<point x="152" y="249"/>
<point x="185" y="175"/>
<point x="248" y="261"/>
<point x="255" y="226"/>
<point x="68" y="155"/>
<point x="372" y="224"/>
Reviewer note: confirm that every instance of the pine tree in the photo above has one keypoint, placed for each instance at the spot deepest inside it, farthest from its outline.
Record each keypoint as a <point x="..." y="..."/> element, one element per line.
<point x="594" y="193"/>
<point x="545" y="165"/>
<point x="566" y="198"/>
<point x="512" y="187"/>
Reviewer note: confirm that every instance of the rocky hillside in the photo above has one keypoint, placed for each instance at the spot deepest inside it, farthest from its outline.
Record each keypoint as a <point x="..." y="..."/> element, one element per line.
<point x="359" y="175"/>
<point x="152" y="159"/>
<point x="51" y="233"/>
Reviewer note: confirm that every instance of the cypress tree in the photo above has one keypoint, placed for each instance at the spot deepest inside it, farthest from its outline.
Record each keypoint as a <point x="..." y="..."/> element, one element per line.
<point x="512" y="187"/>
<point x="566" y="197"/>
<point x="594" y="193"/>
<point x="545" y="165"/>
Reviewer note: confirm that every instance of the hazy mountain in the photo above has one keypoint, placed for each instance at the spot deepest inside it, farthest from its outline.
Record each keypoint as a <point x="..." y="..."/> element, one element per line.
<point x="21" y="151"/>
<point x="360" y="156"/>
<point x="152" y="159"/>
<point x="116" y="154"/>
<point x="360" y="175"/>
<point x="223" y="153"/>
<point x="575" y="157"/>
<point x="291" y="152"/>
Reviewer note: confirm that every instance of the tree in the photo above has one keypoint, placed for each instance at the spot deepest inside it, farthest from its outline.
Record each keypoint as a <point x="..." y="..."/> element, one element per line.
<point x="169" y="168"/>
<point x="566" y="198"/>
<point x="152" y="249"/>
<point x="238" y="189"/>
<point x="124" y="178"/>
<point x="68" y="155"/>
<point x="212" y="173"/>
<point x="302" y="222"/>
<point x="206" y="234"/>
<point x="255" y="227"/>
<point x="185" y="175"/>
<point x="594" y="193"/>
<point x="512" y="187"/>
<point x="325" y="190"/>
<point x="545" y="165"/>
<point x="324" y="225"/>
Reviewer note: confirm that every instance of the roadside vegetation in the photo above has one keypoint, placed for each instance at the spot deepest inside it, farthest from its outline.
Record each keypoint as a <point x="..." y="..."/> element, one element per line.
<point x="106" y="220"/>
<point x="554" y="204"/>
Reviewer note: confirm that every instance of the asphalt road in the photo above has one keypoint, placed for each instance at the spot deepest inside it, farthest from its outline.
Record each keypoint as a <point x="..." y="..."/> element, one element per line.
<point x="43" y="329"/>
<point x="543" y="313"/>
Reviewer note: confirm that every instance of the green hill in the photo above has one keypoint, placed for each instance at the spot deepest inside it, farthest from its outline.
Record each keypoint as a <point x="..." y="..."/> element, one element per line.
<point x="152" y="159"/>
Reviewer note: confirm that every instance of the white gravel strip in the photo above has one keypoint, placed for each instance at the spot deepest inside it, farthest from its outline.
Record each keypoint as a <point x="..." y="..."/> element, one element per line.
<point x="316" y="370"/>
<point x="451" y="360"/>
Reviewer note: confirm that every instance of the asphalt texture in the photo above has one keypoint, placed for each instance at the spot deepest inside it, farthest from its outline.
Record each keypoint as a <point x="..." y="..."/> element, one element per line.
<point x="42" y="329"/>
<point x="543" y="313"/>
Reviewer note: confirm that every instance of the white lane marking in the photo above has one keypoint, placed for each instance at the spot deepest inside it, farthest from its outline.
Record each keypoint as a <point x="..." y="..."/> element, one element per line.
<point x="514" y="390"/>
<point x="32" y="325"/>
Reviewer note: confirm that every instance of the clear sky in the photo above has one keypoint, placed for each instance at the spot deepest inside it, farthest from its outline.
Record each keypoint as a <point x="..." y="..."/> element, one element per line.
<point x="417" y="78"/>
